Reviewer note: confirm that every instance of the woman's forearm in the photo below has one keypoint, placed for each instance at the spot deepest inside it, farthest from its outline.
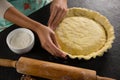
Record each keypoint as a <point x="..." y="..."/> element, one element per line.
<point x="15" y="16"/>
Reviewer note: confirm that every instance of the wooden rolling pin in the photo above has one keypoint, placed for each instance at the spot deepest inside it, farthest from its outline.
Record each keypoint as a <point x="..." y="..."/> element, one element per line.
<point x="49" y="70"/>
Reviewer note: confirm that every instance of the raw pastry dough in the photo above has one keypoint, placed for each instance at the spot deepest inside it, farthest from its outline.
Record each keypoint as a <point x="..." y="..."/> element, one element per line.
<point x="84" y="33"/>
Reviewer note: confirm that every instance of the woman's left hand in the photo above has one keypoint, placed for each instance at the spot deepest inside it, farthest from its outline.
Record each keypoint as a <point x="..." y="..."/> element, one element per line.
<point x="58" y="10"/>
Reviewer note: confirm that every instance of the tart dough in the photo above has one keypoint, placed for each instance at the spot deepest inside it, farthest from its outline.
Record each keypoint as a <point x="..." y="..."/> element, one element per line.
<point x="84" y="33"/>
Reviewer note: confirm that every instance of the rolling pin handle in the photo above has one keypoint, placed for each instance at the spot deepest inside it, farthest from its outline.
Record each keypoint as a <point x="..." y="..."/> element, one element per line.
<point x="7" y="63"/>
<point x="104" y="78"/>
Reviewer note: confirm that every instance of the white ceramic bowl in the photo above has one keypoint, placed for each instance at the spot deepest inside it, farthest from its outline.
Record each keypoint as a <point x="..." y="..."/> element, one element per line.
<point x="20" y="40"/>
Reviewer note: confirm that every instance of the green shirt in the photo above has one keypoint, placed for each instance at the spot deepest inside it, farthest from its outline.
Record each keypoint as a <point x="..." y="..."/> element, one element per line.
<point x="26" y="7"/>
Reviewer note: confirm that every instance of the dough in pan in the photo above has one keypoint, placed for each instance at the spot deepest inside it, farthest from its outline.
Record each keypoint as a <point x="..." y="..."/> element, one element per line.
<point x="84" y="33"/>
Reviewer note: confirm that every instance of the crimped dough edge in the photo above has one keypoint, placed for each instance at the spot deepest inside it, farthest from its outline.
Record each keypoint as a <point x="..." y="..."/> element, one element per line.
<point x="102" y="20"/>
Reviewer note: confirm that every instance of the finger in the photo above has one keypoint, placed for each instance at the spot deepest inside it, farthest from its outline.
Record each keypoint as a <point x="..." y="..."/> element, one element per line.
<point x="54" y="39"/>
<point x="52" y="16"/>
<point x="58" y="18"/>
<point x="62" y="54"/>
<point x="57" y="22"/>
<point x="48" y="49"/>
<point x="56" y="51"/>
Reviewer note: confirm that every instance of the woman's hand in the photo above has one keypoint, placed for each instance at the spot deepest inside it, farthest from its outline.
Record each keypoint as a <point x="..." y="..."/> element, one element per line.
<point x="46" y="35"/>
<point x="48" y="41"/>
<point x="58" y="9"/>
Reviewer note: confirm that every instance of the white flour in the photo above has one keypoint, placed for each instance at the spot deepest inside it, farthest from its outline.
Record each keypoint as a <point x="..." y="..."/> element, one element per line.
<point x="20" y="40"/>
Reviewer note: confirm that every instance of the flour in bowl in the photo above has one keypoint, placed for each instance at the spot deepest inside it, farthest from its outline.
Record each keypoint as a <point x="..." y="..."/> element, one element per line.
<point x="20" y="40"/>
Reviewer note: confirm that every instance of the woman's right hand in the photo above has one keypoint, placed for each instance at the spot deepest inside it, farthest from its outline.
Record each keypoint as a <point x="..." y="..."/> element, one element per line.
<point x="48" y="41"/>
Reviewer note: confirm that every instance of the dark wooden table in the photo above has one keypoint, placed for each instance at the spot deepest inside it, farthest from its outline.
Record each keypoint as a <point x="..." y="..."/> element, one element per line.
<point x="108" y="65"/>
